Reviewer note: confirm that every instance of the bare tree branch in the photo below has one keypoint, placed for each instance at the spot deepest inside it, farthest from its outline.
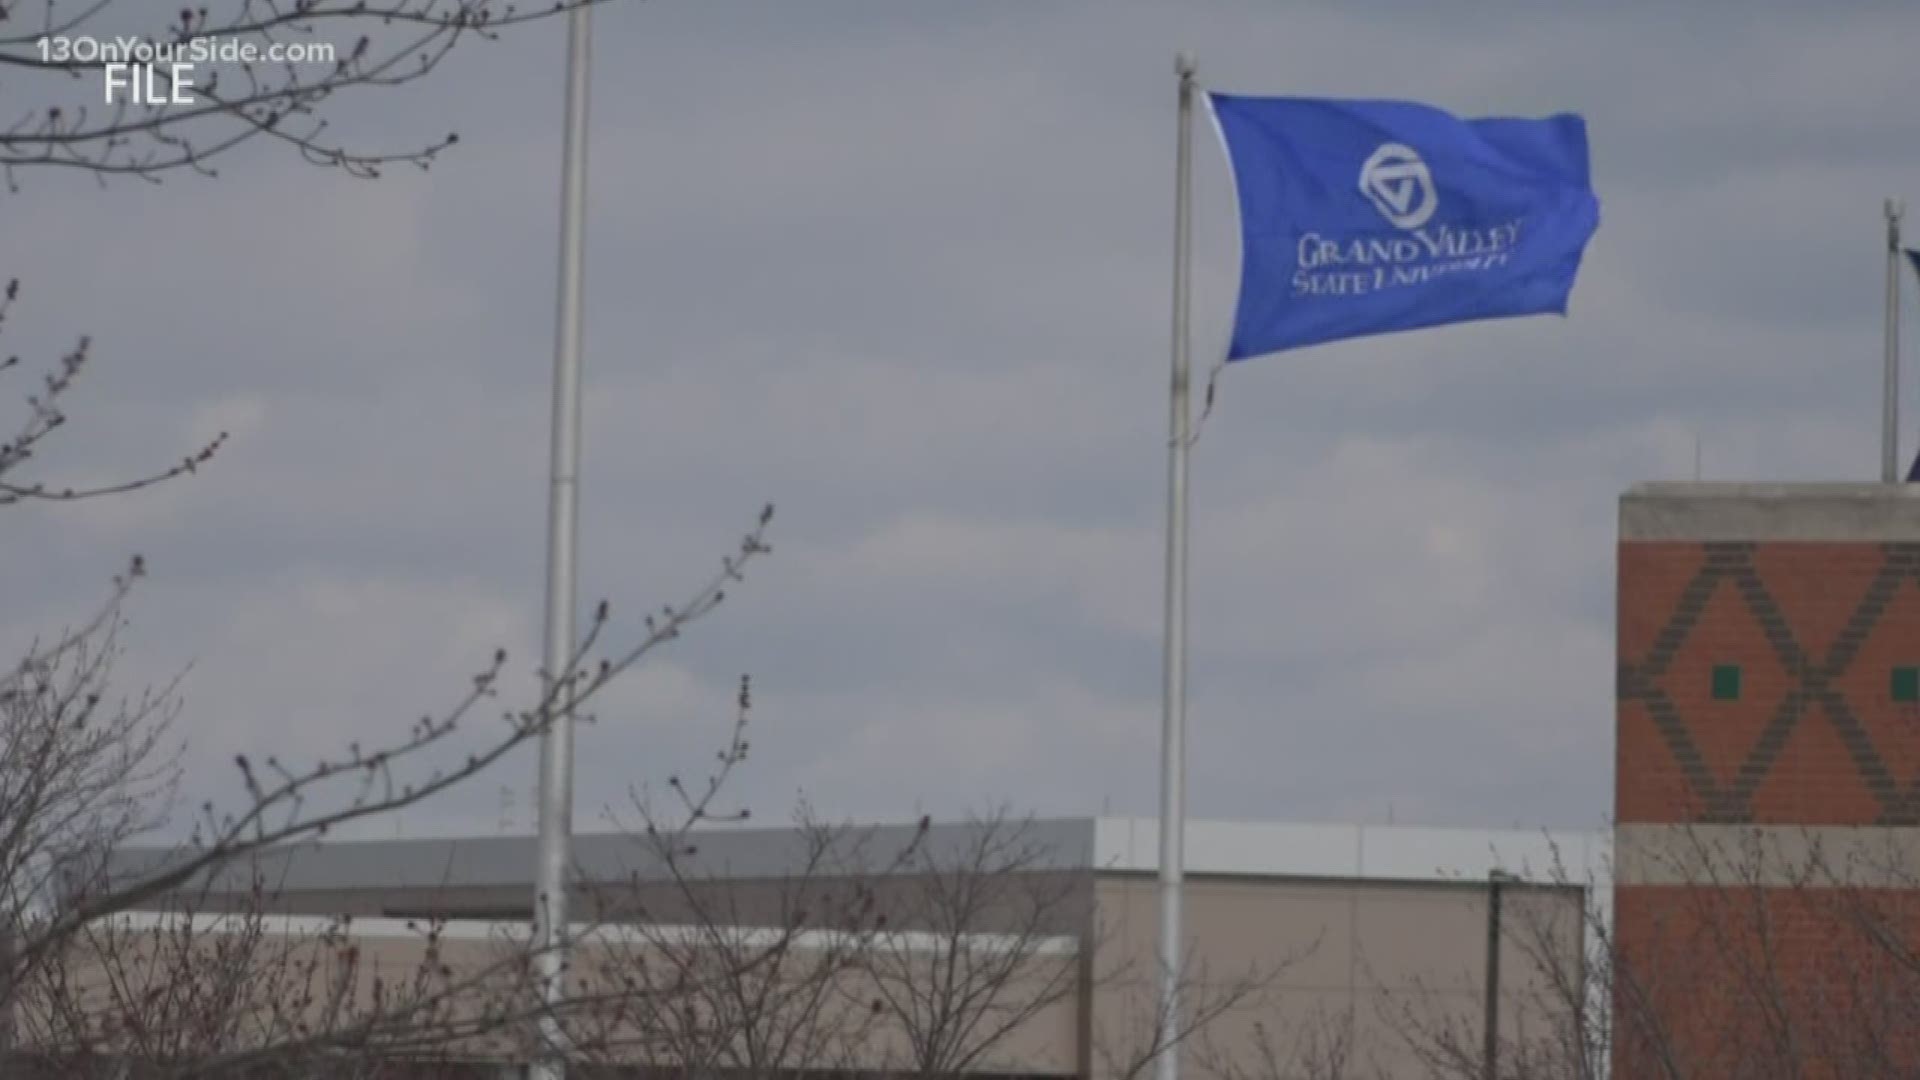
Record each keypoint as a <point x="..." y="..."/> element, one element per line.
<point x="45" y="415"/>
<point x="289" y="59"/>
<point x="995" y="907"/>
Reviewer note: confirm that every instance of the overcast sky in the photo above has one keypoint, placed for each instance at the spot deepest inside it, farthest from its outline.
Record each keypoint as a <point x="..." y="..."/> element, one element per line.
<point x="904" y="270"/>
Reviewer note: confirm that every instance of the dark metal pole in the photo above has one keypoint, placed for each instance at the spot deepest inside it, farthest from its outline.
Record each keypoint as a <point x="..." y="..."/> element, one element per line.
<point x="1890" y="394"/>
<point x="1490" y="1052"/>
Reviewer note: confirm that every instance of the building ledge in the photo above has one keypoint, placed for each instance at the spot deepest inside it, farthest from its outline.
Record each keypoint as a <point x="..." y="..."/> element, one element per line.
<point x="1805" y="512"/>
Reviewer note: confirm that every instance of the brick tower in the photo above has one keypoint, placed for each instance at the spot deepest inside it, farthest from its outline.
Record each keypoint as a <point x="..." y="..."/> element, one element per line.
<point x="1767" y="791"/>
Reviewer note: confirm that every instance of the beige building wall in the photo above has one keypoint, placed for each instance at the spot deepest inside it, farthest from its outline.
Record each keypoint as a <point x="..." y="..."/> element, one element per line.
<point x="222" y="986"/>
<point x="1380" y="969"/>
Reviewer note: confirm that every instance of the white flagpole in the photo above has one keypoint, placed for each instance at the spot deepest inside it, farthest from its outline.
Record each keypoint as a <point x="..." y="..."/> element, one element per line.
<point x="1890" y="406"/>
<point x="1173" y="735"/>
<point x="556" y="739"/>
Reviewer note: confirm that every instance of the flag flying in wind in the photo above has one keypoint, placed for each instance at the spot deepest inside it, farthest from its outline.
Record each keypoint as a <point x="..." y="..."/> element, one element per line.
<point x="1914" y="258"/>
<point x="1367" y="217"/>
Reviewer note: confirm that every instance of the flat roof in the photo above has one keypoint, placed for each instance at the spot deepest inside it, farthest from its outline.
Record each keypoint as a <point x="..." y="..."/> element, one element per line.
<point x="1841" y="511"/>
<point x="1359" y="852"/>
<point x="1101" y="845"/>
<point x="620" y="934"/>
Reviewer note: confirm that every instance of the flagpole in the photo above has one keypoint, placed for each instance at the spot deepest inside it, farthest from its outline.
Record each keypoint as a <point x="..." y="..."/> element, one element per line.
<point x="1890" y="405"/>
<point x="556" y="737"/>
<point x="1173" y="734"/>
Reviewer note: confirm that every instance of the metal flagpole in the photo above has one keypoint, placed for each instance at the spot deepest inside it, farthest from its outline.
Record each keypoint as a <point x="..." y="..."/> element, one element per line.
<point x="1173" y="734"/>
<point x="1890" y="406"/>
<point x="556" y="739"/>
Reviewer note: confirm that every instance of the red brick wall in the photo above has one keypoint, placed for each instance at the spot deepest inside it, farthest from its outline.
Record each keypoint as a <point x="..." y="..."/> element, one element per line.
<point x="1740" y="981"/>
<point x="1757" y="984"/>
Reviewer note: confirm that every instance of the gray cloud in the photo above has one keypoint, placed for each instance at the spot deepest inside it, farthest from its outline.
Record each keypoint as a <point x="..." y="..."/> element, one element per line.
<point x="904" y="271"/>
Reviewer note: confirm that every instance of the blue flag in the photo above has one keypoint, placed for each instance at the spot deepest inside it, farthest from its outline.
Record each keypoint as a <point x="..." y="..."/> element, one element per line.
<point x="1914" y="258"/>
<point x="1367" y="217"/>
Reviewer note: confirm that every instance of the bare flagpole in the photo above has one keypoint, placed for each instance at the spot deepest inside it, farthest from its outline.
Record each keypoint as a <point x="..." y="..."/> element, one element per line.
<point x="1890" y="405"/>
<point x="556" y="738"/>
<point x="1173" y="734"/>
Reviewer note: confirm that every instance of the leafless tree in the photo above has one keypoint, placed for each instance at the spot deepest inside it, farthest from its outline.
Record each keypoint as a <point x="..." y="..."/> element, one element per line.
<point x="936" y="952"/>
<point x="706" y="973"/>
<point x="992" y="929"/>
<point x="237" y="991"/>
<point x="1552" y="1002"/>
<point x="82" y="772"/>
<point x="264" y="71"/>
<point x="1128" y="1049"/>
<point x="283" y="803"/>
<point x="178" y="996"/>
<point x="88" y="975"/>
<point x="1773" y="955"/>
<point x="1760" y="953"/>
<point x="45" y="415"/>
<point x="1321" y="1045"/>
<point x="240" y="991"/>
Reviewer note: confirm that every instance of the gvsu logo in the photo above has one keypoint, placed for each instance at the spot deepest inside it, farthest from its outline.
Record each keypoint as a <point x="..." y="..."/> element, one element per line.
<point x="1398" y="184"/>
<point x="1420" y="248"/>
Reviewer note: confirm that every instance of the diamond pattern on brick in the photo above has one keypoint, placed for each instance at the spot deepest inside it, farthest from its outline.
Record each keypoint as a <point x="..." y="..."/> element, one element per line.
<point x="1813" y="681"/>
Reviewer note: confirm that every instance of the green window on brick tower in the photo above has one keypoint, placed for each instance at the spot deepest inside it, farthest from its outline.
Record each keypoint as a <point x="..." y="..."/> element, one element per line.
<point x="1906" y="684"/>
<point x="1726" y="682"/>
